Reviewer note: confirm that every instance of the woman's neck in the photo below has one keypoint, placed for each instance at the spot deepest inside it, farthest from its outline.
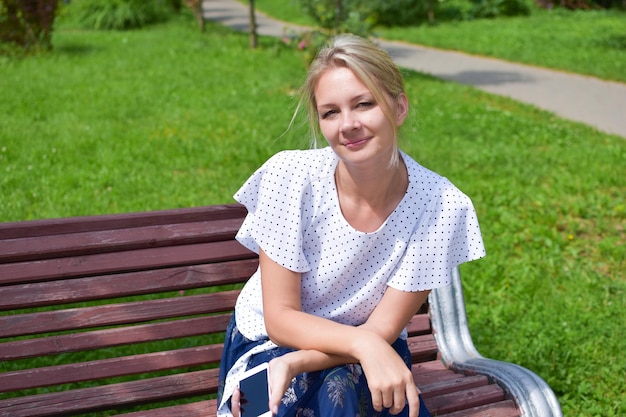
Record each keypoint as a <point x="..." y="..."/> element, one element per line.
<point x="368" y="195"/>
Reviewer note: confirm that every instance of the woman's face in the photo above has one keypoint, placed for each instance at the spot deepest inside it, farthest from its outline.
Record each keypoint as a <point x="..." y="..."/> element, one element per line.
<point x="351" y="120"/>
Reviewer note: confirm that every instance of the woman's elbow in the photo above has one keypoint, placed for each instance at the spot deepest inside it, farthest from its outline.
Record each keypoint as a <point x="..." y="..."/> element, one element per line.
<point x="275" y="332"/>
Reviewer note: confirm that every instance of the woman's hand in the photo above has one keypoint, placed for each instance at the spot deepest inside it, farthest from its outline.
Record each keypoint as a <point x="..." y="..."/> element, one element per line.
<point x="235" y="403"/>
<point x="281" y="372"/>
<point x="389" y="379"/>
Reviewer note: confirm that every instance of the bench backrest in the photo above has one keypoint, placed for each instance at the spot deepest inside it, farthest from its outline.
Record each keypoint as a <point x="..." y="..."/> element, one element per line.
<point x="125" y="313"/>
<point x="76" y="293"/>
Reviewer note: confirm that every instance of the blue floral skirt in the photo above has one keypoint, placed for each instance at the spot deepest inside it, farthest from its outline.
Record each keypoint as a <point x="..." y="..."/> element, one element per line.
<point x="339" y="391"/>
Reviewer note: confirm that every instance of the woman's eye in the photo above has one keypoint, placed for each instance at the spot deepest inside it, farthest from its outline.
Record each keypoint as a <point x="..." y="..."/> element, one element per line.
<point x="365" y="104"/>
<point x="328" y="114"/>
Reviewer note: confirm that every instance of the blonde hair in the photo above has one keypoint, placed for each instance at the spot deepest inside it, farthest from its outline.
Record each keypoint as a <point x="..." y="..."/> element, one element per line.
<point x="370" y="64"/>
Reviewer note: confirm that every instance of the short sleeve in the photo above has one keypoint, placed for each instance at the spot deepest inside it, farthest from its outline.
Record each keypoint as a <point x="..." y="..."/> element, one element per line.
<point x="276" y="197"/>
<point x="446" y="235"/>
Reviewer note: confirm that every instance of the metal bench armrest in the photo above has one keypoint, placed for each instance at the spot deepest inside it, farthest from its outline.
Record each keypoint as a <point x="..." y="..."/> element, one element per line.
<point x="533" y="395"/>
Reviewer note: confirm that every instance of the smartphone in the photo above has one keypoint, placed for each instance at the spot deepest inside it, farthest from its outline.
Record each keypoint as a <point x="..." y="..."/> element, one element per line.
<point x="255" y="392"/>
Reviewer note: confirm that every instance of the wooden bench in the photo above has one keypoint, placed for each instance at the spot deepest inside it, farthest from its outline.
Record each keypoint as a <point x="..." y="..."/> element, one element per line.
<point x="125" y="314"/>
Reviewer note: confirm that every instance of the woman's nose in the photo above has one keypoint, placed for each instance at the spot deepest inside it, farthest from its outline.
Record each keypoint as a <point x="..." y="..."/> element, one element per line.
<point x="349" y="122"/>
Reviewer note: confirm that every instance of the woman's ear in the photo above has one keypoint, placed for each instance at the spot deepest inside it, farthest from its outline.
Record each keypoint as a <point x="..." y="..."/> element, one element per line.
<point x="402" y="109"/>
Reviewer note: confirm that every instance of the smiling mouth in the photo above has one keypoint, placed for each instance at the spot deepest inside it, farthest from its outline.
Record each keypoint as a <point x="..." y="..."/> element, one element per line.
<point x="355" y="143"/>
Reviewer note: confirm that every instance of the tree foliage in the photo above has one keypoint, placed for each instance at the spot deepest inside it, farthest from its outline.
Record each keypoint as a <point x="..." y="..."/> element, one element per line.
<point x="337" y="16"/>
<point x="27" y="24"/>
<point x="119" y="14"/>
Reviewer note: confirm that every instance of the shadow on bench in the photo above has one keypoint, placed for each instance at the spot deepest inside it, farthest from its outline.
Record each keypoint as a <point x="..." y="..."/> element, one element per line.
<point x="107" y="315"/>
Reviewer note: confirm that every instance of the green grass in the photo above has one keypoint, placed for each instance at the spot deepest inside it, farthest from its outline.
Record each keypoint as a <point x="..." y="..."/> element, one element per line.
<point x="168" y="117"/>
<point x="589" y="42"/>
<point x="285" y="10"/>
<point x="585" y="42"/>
<point x="91" y="128"/>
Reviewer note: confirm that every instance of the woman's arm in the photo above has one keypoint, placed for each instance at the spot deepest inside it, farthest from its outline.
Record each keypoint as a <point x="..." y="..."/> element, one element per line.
<point x="393" y="313"/>
<point x="287" y="325"/>
<point x="390" y="381"/>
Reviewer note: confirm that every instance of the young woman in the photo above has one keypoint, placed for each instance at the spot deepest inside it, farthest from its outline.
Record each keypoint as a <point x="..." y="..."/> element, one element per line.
<point x="351" y="238"/>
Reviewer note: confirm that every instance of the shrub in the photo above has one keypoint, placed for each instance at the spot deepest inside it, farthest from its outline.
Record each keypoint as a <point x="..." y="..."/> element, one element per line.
<point x="403" y="12"/>
<point x="496" y="8"/>
<point x="338" y="16"/>
<point x="27" y="24"/>
<point x="119" y="14"/>
<point x="583" y="4"/>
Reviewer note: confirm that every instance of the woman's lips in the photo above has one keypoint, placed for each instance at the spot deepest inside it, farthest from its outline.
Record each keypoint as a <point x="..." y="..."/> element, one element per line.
<point x="355" y="143"/>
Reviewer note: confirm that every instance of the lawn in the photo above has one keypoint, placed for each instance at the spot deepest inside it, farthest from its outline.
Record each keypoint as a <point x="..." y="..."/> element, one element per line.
<point x="584" y="42"/>
<point x="168" y="117"/>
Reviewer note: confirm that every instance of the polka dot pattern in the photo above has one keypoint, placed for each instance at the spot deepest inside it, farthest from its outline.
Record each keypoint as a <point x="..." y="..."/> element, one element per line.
<point x="294" y="215"/>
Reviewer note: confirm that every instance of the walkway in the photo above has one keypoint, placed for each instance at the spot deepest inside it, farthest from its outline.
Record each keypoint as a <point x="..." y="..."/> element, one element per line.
<point x="601" y="104"/>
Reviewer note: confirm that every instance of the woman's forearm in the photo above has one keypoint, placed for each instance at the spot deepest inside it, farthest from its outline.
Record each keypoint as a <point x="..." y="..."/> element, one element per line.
<point x="300" y="361"/>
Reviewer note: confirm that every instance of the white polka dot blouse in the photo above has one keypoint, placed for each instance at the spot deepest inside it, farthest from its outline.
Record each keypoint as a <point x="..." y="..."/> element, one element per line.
<point x="294" y="215"/>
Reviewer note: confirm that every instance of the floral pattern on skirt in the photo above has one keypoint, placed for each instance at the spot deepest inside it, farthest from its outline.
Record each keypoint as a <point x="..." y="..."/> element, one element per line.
<point x="339" y="391"/>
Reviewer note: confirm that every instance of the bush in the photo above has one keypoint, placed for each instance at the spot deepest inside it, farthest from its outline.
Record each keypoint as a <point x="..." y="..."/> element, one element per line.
<point x="496" y="8"/>
<point x="119" y="14"/>
<point x="27" y="24"/>
<point x="583" y="4"/>
<point x="403" y="12"/>
<point x="338" y="16"/>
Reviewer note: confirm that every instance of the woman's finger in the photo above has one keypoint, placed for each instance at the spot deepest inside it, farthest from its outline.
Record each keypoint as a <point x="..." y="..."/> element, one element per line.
<point x="388" y="398"/>
<point x="399" y="402"/>
<point x="235" y="403"/>
<point x="413" y="400"/>
<point x="377" y="400"/>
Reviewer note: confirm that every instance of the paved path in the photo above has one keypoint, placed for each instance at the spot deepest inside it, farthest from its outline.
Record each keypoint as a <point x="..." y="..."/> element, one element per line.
<point x="601" y="104"/>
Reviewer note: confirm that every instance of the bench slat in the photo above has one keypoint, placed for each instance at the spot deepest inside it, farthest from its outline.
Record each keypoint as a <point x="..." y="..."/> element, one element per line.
<point x="209" y="408"/>
<point x="109" y="368"/>
<point x="459" y="383"/>
<point x="504" y="408"/>
<point x="116" y="314"/>
<point x="98" y="339"/>
<point x="85" y="243"/>
<point x="136" y="260"/>
<point x="461" y="400"/>
<point x="112" y="396"/>
<point x="198" y="409"/>
<point x="423" y="378"/>
<point x="419" y="324"/>
<point x="33" y="228"/>
<point x="429" y="366"/>
<point x="125" y="284"/>
<point x="423" y="348"/>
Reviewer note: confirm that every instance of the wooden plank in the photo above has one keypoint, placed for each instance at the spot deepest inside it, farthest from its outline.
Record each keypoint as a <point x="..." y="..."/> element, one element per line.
<point x="109" y="368"/>
<point x="32" y="228"/>
<point x="116" y="314"/>
<point x="135" y="260"/>
<point x="209" y="408"/>
<point x="197" y="409"/>
<point x="505" y="408"/>
<point x="101" y="241"/>
<point x="418" y="325"/>
<point x="125" y="284"/>
<point x="423" y="348"/>
<point x="98" y="339"/>
<point x="465" y="399"/>
<point x="114" y="396"/>
<point x="429" y="366"/>
<point x="425" y="378"/>
<point x="461" y="382"/>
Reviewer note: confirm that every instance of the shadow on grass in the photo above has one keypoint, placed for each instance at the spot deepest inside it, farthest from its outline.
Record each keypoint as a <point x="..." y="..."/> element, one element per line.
<point x="75" y="49"/>
<point x="614" y="42"/>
